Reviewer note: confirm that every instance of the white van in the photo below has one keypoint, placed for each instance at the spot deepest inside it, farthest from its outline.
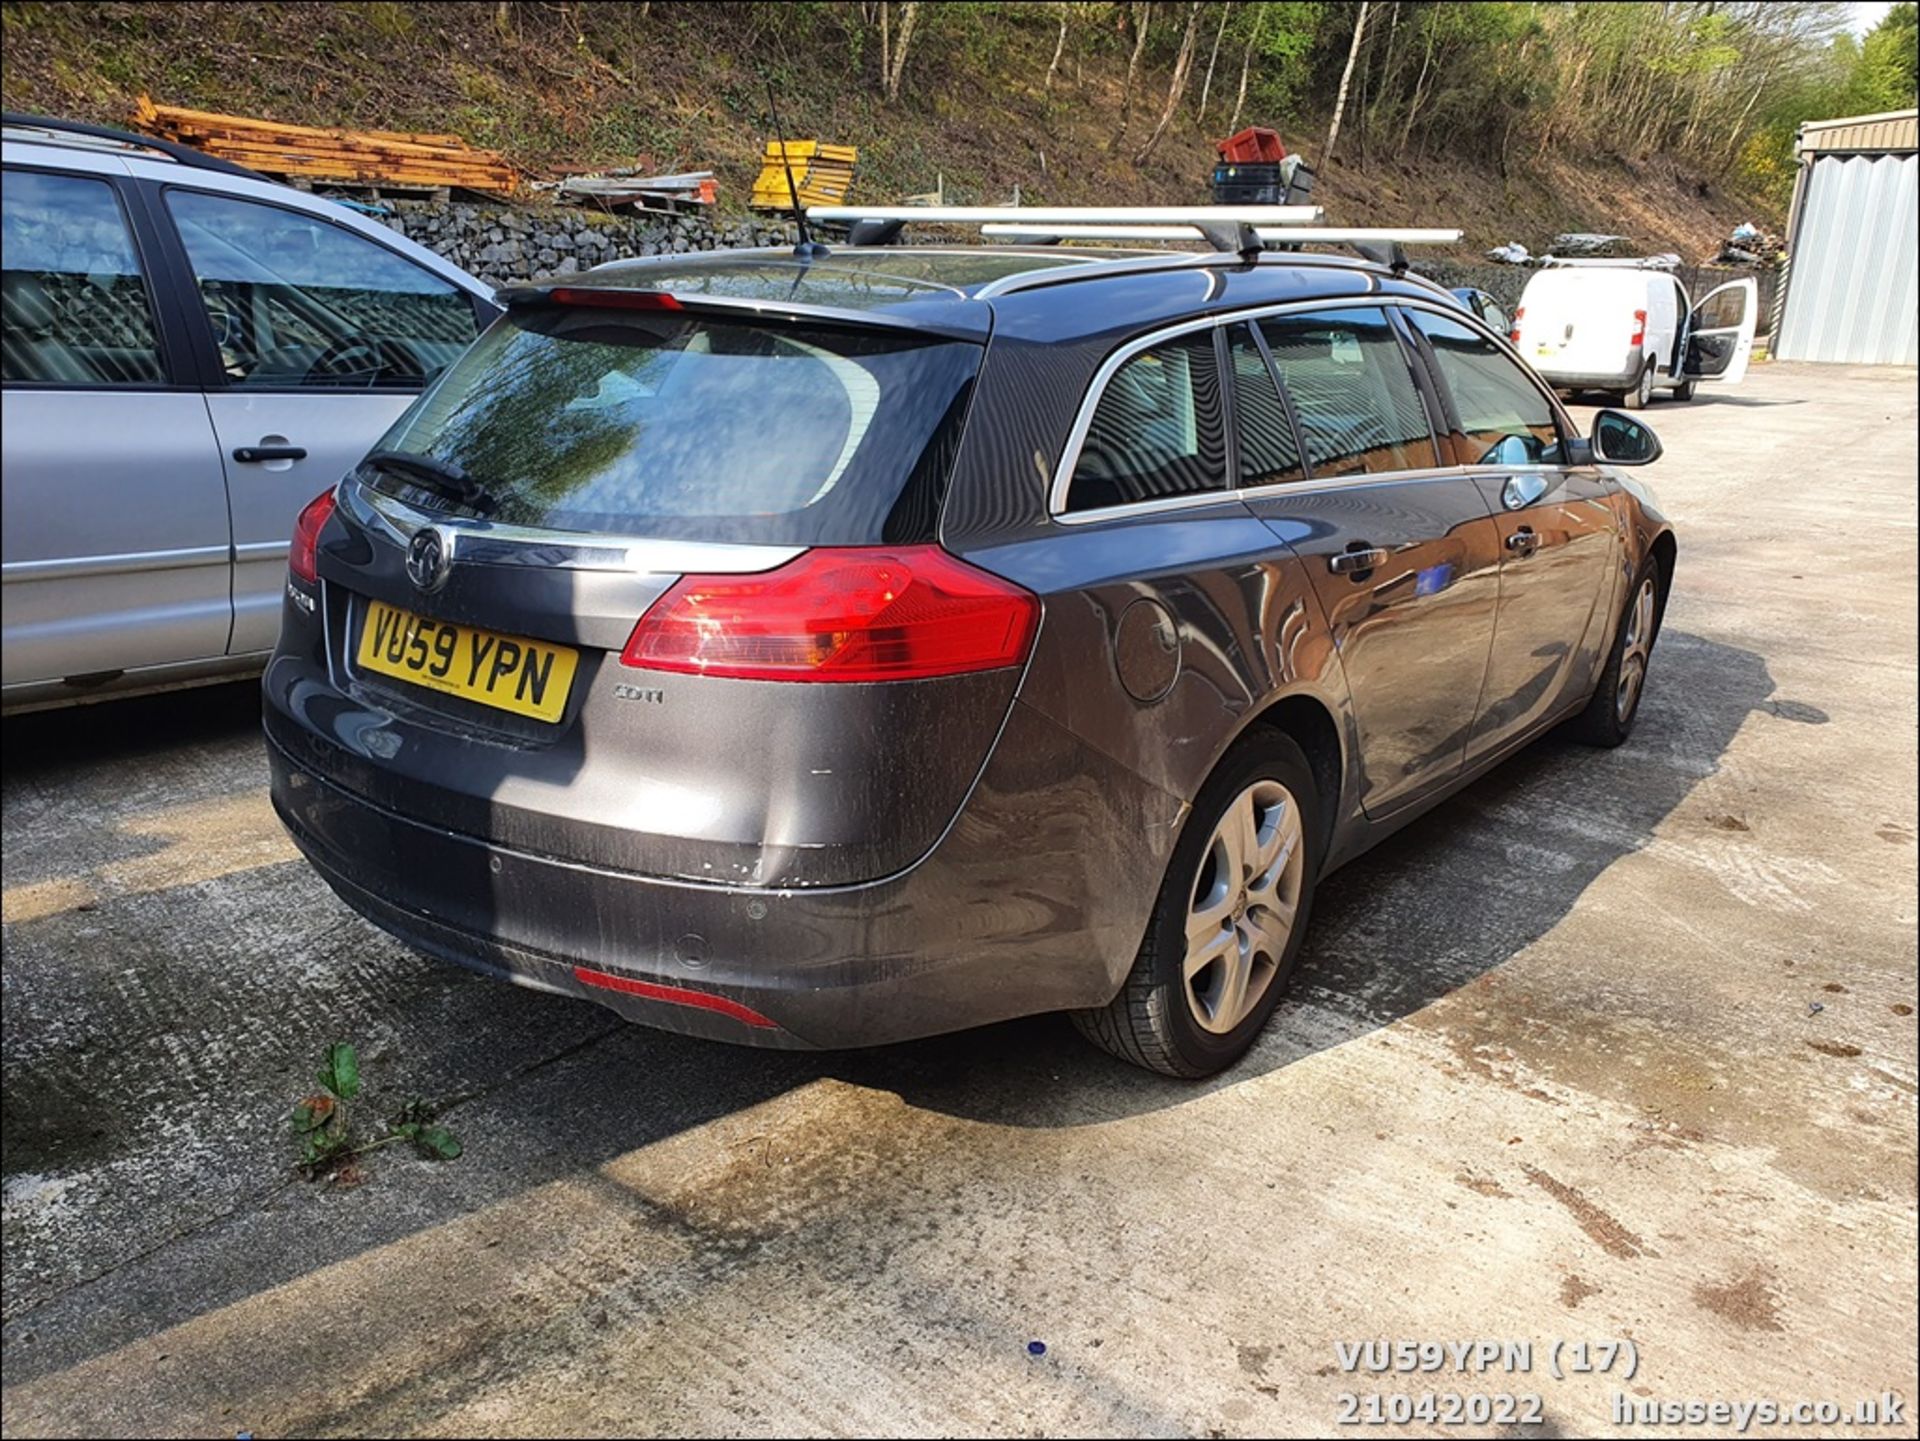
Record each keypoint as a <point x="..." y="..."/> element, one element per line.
<point x="1629" y="329"/>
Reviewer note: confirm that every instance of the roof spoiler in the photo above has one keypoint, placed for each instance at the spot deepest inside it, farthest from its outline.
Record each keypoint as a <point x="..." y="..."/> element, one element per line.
<point x="952" y="318"/>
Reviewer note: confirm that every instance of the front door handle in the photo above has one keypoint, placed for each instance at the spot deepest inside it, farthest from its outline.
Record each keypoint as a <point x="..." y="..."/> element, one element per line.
<point x="1523" y="540"/>
<point x="253" y="454"/>
<point x="1356" y="562"/>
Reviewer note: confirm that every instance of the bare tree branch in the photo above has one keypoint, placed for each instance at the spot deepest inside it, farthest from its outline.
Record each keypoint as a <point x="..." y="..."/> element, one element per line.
<point x="1182" y="66"/>
<point x="1346" y="79"/>
<point x="1206" y="87"/>
<point x="1246" y="64"/>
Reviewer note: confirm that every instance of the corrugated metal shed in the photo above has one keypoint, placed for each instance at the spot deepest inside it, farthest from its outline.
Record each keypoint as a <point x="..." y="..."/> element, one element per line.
<point x="1893" y="132"/>
<point x="1852" y="289"/>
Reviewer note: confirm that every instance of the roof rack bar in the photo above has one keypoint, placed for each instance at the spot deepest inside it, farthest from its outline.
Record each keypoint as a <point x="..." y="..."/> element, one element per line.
<point x="185" y="154"/>
<point x="1189" y="215"/>
<point x="1287" y="235"/>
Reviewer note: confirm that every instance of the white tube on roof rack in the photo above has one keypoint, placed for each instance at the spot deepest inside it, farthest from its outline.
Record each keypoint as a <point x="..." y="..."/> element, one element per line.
<point x="1290" y="234"/>
<point x="1072" y="214"/>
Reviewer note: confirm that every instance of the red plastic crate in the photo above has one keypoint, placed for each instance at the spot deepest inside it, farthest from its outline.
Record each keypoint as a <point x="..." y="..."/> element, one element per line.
<point x="1253" y="146"/>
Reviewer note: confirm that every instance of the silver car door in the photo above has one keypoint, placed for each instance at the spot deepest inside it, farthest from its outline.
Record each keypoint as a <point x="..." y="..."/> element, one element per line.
<point x="324" y="337"/>
<point x="116" y="539"/>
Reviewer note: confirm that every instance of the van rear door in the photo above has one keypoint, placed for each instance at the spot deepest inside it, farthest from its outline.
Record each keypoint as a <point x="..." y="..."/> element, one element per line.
<point x="1719" y="340"/>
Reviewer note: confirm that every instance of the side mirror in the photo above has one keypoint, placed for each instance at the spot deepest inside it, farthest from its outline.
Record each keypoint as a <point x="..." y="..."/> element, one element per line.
<point x="1619" y="439"/>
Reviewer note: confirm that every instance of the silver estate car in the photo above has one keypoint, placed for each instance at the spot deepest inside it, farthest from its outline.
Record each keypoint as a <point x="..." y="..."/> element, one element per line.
<point x="190" y="352"/>
<point x="824" y="650"/>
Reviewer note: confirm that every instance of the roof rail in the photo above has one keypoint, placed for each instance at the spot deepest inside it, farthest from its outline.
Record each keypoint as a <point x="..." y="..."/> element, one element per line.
<point x="185" y="154"/>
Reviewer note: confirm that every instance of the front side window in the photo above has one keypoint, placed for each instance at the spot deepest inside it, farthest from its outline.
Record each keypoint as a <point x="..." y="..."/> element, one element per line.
<point x="1359" y="410"/>
<point x="1156" y="431"/>
<point x="1504" y="419"/>
<point x="296" y="303"/>
<point x="76" y="306"/>
<point x="1269" y="455"/>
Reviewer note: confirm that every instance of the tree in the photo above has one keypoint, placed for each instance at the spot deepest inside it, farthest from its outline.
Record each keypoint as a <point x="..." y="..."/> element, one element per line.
<point x="1246" y="66"/>
<point x="1206" y="86"/>
<point x="1142" y="20"/>
<point x="1182" y="65"/>
<point x="1059" y="47"/>
<point x="1346" y="79"/>
<point x="1886" y="76"/>
<point x="909" y="13"/>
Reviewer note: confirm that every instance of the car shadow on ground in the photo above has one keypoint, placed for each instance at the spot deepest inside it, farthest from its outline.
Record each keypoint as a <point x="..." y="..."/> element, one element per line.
<point x="545" y="1087"/>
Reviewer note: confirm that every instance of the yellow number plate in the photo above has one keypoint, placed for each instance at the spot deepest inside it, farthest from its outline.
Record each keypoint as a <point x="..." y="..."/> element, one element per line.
<point x="507" y="672"/>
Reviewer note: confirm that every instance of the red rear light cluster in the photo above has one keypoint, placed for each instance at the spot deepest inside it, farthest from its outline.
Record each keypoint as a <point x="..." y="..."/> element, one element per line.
<point x="855" y="614"/>
<point x="1639" y="328"/>
<point x="1514" y="334"/>
<point x="302" y="556"/>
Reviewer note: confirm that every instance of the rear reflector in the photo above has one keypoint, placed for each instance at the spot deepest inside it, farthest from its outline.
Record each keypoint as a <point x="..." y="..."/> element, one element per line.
<point x="1639" y="328"/>
<point x="618" y="299"/>
<point x="852" y="614"/>
<point x="673" y="996"/>
<point x="303" y="554"/>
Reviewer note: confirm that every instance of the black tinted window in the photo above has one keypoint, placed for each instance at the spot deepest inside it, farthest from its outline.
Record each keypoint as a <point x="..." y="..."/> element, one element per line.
<point x="1156" y="430"/>
<point x="296" y="302"/>
<point x="667" y="425"/>
<point x="1269" y="454"/>
<point x="1504" y="419"/>
<point x="76" y="310"/>
<point x="1359" y="410"/>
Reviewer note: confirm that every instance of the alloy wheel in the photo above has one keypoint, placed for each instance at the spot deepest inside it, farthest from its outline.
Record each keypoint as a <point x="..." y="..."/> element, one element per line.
<point x="1245" y="899"/>
<point x="1635" y="652"/>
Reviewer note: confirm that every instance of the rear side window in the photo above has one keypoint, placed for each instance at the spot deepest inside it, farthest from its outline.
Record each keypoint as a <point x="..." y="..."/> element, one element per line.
<point x="1156" y="429"/>
<point x="296" y="303"/>
<point x="1504" y="419"/>
<point x="1359" y="411"/>
<point x="1269" y="454"/>
<point x="668" y="425"/>
<point x="76" y="307"/>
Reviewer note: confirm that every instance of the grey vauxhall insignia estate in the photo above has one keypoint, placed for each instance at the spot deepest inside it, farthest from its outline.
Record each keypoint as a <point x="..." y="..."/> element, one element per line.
<point x="832" y="650"/>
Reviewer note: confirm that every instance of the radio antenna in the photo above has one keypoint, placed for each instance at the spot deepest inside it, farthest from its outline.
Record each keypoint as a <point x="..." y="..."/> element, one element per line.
<point x="806" y="249"/>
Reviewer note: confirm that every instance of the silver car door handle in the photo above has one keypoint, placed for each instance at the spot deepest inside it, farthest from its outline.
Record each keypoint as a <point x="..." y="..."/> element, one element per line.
<point x="1523" y="539"/>
<point x="1355" y="562"/>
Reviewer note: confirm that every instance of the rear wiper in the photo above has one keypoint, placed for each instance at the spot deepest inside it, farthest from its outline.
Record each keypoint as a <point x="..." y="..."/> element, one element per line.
<point x="441" y="475"/>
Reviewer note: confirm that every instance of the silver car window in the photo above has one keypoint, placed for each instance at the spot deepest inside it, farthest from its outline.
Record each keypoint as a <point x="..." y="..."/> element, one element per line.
<point x="77" y="310"/>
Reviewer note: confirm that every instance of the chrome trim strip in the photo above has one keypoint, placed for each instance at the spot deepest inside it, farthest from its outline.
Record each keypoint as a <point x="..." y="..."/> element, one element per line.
<point x="486" y="543"/>
<point x="262" y="550"/>
<point x="1076" y="438"/>
<point x="69" y="567"/>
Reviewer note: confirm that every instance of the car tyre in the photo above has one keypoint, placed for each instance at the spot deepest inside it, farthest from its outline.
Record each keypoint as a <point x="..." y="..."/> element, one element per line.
<point x="1608" y="719"/>
<point x="1641" y="396"/>
<point x="1186" y="1016"/>
<point x="1684" y="391"/>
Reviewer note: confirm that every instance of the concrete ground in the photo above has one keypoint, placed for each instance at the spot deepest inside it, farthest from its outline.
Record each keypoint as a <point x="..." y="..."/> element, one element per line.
<point x="1612" y="1046"/>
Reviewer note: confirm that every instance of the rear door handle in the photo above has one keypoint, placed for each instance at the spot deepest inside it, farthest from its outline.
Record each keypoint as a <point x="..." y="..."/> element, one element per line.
<point x="1356" y="562"/>
<point x="1523" y="539"/>
<point x="253" y="454"/>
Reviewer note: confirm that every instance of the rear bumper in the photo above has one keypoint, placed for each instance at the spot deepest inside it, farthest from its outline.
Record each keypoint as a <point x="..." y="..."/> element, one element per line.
<point x="1013" y="913"/>
<point x="1589" y="380"/>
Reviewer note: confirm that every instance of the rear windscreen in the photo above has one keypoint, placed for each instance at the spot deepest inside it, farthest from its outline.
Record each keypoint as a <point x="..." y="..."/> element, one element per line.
<point x="669" y="425"/>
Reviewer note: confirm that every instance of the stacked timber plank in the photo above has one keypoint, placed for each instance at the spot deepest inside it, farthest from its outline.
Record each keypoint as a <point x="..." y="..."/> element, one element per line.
<point x="354" y="157"/>
<point x="822" y="173"/>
